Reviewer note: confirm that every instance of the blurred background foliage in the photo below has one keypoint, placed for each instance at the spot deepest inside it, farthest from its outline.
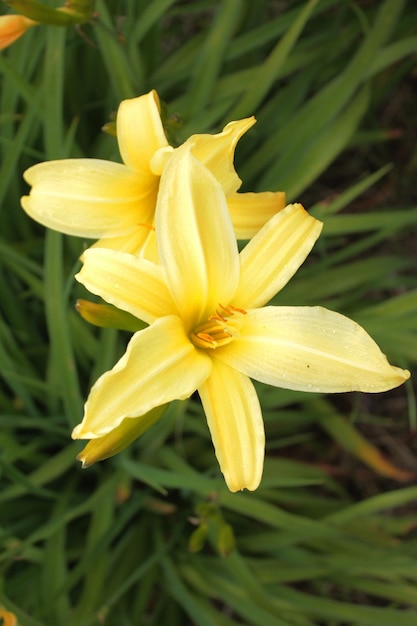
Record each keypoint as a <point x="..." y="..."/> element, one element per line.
<point x="153" y="536"/>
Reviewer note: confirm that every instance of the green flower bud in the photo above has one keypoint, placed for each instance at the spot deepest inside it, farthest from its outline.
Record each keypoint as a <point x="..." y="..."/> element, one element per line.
<point x="108" y="316"/>
<point x="119" y="438"/>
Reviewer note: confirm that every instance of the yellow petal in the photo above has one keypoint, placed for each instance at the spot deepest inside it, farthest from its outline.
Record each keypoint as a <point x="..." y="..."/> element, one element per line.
<point x="140" y="132"/>
<point x="196" y="242"/>
<point x="310" y="349"/>
<point x="159" y="365"/>
<point x="119" y="438"/>
<point x="149" y="249"/>
<point x="141" y="242"/>
<point x="217" y="152"/>
<point x="132" y="284"/>
<point x="273" y="256"/>
<point x="250" y="211"/>
<point x="88" y="197"/>
<point x="235" y="421"/>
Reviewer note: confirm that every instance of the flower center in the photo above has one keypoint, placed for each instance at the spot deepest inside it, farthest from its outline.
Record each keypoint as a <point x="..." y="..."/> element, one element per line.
<point x="220" y="328"/>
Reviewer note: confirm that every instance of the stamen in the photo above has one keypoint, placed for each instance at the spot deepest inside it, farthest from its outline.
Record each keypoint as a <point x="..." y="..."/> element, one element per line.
<point x="203" y="340"/>
<point x="235" y="308"/>
<point x="218" y="317"/>
<point x="206" y="337"/>
<point x="220" y="329"/>
<point x="226" y="309"/>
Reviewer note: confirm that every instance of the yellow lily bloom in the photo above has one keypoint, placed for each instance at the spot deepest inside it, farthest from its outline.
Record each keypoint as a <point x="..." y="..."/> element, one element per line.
<point x="12" y="27"/>
<point x="207" y="328"/>
<point x="115" y="202"/>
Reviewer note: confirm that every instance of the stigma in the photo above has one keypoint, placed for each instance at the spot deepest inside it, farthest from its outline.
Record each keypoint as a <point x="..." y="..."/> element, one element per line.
<point x="220" y="328"/>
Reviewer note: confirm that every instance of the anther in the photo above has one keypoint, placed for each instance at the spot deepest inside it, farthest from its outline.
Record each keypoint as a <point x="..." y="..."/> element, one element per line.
<point x="220" y="328"/>
<point x="235" y="308"/>
<point x="226" y="309"/>
<point x="219" y="317"/>
<point x="206" y="337"/>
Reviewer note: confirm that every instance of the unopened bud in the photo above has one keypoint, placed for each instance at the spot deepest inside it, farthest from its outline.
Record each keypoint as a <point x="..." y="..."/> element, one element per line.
<point x="74" y="11"/>
<point x="7" y="618"/>
<point x="119" y="438"/>
<point x="108" y="316"/>
<point x="198" y="538"/>
<point x="226" y="540"/>
<point x="12" y="27"/>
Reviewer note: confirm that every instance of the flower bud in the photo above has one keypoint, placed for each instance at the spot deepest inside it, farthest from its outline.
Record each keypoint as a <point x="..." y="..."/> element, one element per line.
<point x="74" y="11"/>
<point x="226" y="542"/>
<point x="7" y="618"/>
<point x="12" y="27"/>
<point x="108" y="316"/>
<point x="119" y="438"/>
<point x="198" y="538"/>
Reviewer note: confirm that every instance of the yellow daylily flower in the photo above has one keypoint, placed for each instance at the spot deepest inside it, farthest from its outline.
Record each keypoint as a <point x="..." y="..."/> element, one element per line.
<point x="207" y="328"/>
<point x="12" y="27"/>
<point x="115" y="202"/>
